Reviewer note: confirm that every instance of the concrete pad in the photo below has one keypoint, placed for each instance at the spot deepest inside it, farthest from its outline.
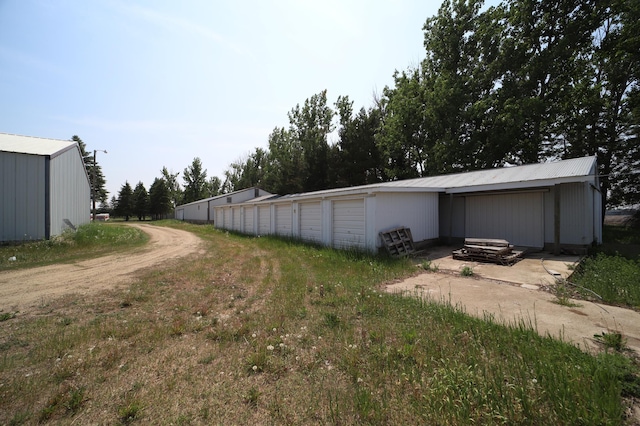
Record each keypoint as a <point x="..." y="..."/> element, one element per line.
<point x="511" y="294"/>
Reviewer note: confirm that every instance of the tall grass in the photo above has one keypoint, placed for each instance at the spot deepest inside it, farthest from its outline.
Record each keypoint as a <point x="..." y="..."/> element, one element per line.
<point x="615" y="278"/>
<point x="265" y="331"/>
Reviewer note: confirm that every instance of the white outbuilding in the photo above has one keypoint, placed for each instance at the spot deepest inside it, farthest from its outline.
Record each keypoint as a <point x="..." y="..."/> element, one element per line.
<point x="44" y="188"/>
<point x="201" y="211"/>
<point x="550" y="205"/>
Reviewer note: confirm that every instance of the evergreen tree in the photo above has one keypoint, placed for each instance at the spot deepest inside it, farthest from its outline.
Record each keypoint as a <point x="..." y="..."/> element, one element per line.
<point x="125" y="206"/>
<point x="140" y="201"/>
<point x="159" y="199"/>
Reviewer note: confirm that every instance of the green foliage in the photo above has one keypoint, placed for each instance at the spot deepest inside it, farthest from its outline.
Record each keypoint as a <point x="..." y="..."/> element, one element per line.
<point x="126" y="202"/>
<point x="466" y="271"/>
<point x="615" y="340"/>
<point x="159" y="199"/>
<point x="130" y="412"/>
<point x="195" y="182"/>
<point x="615" y="278"/>
<point x="140" y="201"/>
<point x="429" y="266"/>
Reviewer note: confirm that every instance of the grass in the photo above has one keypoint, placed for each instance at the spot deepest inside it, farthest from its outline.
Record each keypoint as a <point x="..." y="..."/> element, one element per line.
<point x="327" y="345"/>
<point x="615" y="278"/>
<point x="88" y="241"/>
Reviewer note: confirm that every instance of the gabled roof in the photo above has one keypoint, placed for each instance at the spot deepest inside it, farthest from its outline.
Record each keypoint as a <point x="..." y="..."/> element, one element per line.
<point x="503" y="178"/>
<point x="230" y="194"/>
<point x="33" y="145"/>
<point x="526" y="176"/>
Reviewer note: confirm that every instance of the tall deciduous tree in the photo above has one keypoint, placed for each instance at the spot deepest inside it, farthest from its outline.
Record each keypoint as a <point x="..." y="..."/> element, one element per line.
<point x="356" y="158"/>
<point x="285" y="169"/>
<point x="311" y="125"/>
<point x="171" y="179"/>
<point x="195" y="181"/>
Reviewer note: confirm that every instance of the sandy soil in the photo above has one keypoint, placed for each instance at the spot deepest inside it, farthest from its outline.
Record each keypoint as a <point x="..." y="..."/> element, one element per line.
<point x="27" y="288"/>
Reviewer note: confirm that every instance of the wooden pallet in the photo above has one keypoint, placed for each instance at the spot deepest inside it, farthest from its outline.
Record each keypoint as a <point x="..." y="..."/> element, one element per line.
<point x="398" y="242"/>
<point x="488" y="250"/>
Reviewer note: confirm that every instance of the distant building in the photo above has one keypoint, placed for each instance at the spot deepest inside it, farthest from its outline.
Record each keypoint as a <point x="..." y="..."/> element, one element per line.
<point x="44" y="188"/>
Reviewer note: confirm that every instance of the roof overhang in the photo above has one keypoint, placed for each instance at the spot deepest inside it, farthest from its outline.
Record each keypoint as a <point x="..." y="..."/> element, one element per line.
<point x="504" y="186"/>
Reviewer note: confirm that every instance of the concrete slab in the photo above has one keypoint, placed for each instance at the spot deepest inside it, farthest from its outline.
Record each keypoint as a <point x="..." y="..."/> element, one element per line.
<point x="511" y="294"/>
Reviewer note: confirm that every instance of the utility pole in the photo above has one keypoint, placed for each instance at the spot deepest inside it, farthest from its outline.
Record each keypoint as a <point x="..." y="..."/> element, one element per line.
<point x="93" y="183"/>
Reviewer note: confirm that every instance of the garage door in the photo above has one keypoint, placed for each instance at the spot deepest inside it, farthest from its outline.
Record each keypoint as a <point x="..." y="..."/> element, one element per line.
<point x="219" y="218"/>
<point x="248" y="220"/>
<point x="517" y="218"/>
<point x="283" y="219"/>
<point x="228" y="215"/>
<point x="264" y="220"/>
<point x="237" y="218"/>
<point x="348" y="224"/>
<point x="310" y="221"/>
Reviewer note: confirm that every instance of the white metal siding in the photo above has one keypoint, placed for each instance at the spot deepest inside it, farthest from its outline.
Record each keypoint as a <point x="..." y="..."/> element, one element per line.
<point x="248" y="220"/>
<point x="70" y="192"/>
<point x="517" y="218"/>
<point x="195" y="211"/>
<point x="283" y="219"/>
<point x="417" y="211"/>
<point x="575" y="226"/>
<point x="264" y="220"/>
<point x="219" y="220"/>
<point x="311" y="221"/>
<point x="349" y="224"/>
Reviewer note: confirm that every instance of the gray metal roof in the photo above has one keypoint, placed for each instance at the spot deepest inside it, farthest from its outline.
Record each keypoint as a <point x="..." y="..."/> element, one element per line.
<point x="540" y="174"/>
<point x="33" y="145"/>
<point x="515" y="177"/>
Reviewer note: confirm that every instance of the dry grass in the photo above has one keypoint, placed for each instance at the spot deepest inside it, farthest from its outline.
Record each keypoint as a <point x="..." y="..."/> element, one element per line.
<point x="260" y="331"/>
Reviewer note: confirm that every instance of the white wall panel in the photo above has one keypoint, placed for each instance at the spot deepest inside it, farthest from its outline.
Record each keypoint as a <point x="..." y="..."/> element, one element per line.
<point x="417" y="211"/>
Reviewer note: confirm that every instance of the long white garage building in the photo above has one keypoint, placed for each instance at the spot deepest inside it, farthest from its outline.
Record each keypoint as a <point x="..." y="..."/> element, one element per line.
<point x="548" y="205"/>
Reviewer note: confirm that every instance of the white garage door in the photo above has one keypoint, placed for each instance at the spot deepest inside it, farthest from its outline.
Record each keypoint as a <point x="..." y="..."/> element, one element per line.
<point x="237" y="218"/>
<point x="228" y="215"/>
<point x="518" y="218"/>
<point x="311" y="221"/>
<point x="219" y="218"/>
<point x="264" y="220"/>
<point x="283" y="219"/>
<point x="248" y="220"/>
<point x="348" y="224"/>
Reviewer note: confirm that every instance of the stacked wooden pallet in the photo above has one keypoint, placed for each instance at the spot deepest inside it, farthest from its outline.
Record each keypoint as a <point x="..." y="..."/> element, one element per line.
<point x="398" y="242"/>
<point x="488" y="250"/>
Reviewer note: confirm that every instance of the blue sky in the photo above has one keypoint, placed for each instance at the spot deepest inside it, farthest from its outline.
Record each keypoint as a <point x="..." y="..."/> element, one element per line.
<point x="157" y="83"/>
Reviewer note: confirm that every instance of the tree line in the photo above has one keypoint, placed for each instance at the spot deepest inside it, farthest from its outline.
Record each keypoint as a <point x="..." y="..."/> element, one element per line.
<point x="522" y="82"/>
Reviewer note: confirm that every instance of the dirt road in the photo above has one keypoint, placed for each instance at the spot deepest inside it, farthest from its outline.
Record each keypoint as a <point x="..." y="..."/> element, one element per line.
<point x="23" y="289"/>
